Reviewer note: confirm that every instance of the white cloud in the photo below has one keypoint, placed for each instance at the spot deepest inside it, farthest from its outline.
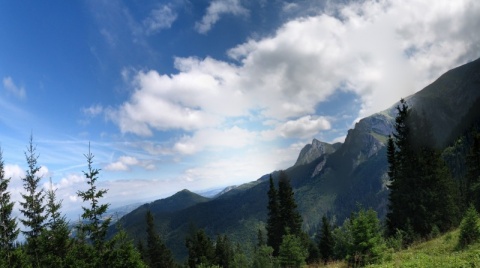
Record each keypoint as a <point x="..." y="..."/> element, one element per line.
<point x="159" y="19"/>
<point x="12" y="88"/>
<point x="124" y="163"/>
<point x="234" y="137"/>
<point x="304" y="127"/>
<point x="93" y="110"/>
<point x="15" y="172"/>
<point x="340" y="139"/>
<point x="379" y="50"/>
<point x="216" y="9"/>
<point x="197" y="97"/>
<point x="43" y="172"/>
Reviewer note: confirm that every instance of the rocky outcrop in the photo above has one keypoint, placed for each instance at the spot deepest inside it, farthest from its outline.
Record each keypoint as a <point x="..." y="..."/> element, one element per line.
<point x="313" y="151"/>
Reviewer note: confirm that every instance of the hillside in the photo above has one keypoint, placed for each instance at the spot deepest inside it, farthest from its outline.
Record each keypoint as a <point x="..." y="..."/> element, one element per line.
<point x="327" y="179"/>
<point x="438" y="252"/>
<point x="134" y="221"/>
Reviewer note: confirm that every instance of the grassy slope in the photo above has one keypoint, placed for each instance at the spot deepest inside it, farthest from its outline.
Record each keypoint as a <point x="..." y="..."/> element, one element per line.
<point x="438" y="252"/>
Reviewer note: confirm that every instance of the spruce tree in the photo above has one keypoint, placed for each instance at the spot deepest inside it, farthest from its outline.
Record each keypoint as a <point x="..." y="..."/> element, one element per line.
<point x="200" y="249"/>
<point x="55" y="241"/>
<point x="224" y="252"/>
<point x="289" y="217"/>
<point x="292" y="252"/>
<point x="398" y="155"/>
<point x="274" y="226"/>
<point x="260" y="239"/>
<point x="121" y="252"/>
<point x="423" y="196"/>
<point x="33" y="208"/>
<point x="326" y="243"/>
<point x="158" y="255"/>
<point x="8" y="225"/>
<point x="470" y="228"/>
<point x="367" y="245"/>
<point x="95" y="226"/>
<point x="473" y="172"/>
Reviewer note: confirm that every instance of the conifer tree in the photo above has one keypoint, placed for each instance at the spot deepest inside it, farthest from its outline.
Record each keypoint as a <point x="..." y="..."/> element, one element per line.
<point x="263" y="258"/>
<point x="200" y="249"/>
<point x="289" y="217"/>
<point x="260" y="239"/>
<point x="326" y="243"/>
<point x="224" y="252"/>
<point x="470" y="228"/>
<point x="398" y="155"/>
<point x="158" y="255"/>
<point x="8" y="225"/>
<point x="274" y="226"/>
<point x="422" y="196"/>
<point x="33" y="208"/>
<point x="121" y="253"/>
<point x="367" y="245"/>
<point x="473" y="172"/>
<point x="80" y="253"/>
<point x="95" y="226"/>
<point x="292" y="252"/>
<point x="55" y="241"/>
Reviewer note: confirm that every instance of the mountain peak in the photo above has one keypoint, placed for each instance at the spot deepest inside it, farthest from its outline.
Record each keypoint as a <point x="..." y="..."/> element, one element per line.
<point x="313" y="151"/>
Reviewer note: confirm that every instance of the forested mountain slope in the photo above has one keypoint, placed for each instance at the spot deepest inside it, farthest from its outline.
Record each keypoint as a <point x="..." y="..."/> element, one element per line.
<point x="327" y="179"/>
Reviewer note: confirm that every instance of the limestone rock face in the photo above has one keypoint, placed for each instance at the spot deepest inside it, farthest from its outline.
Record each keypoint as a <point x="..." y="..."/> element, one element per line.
<point x="313" y="151"/>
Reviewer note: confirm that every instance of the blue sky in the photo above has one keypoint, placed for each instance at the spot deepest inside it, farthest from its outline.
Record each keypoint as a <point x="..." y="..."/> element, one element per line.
<point x="207" y="93"/>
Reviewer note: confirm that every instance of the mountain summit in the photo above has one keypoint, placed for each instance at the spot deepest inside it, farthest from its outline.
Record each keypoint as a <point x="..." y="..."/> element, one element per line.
<point x="314" y="150"/>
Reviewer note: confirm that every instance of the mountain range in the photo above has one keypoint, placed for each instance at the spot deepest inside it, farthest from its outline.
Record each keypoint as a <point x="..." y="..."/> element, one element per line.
<point x="331" y="179"/>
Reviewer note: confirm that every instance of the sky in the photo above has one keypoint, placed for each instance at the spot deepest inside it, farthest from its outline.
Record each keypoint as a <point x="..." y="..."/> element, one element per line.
<point x="204" y="94"/>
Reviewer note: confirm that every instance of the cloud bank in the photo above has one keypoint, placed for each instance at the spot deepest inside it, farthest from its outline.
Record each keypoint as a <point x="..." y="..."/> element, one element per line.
<point x="379" y="50"/>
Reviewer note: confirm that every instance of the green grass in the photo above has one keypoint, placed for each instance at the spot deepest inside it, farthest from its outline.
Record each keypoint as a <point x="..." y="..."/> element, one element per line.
<point x="438" y="252"/>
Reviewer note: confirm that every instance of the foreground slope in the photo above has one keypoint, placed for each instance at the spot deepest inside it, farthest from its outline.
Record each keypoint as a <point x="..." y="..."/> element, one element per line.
<point x="332" y="180"/>
<point x="438" y="252"/>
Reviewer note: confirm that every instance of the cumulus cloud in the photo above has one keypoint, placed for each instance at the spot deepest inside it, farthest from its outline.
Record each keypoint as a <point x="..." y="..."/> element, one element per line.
<point x="216" y="9"/>
<point x="195" y="98"/>
<point x="15" y="172"/>
<point x="12" y="88"/>
<point x="159" y="19"/>
<point x="379" y="50"/>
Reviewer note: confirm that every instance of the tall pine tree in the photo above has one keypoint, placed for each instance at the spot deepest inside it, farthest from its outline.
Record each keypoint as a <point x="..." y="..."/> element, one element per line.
<point x="55" y="241"/>
<point x="473" y="172"/>
<point x="283" y="217"/>
<point x="326" y="243"/>
<point x="200" y="249"/>
<point x="158" y="255"/>
<point x="8" y="224"/>
<point x="224" y="252"/>
<point x="274" y="226"/>
<point x="289" y="217"/>
<point x="422" y="193"/>
<point x="95" y="226"/>
<point x="33" y="208"/>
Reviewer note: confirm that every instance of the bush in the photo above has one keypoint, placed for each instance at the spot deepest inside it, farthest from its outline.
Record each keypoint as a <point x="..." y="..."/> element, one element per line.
<point x="469" y="229"/>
